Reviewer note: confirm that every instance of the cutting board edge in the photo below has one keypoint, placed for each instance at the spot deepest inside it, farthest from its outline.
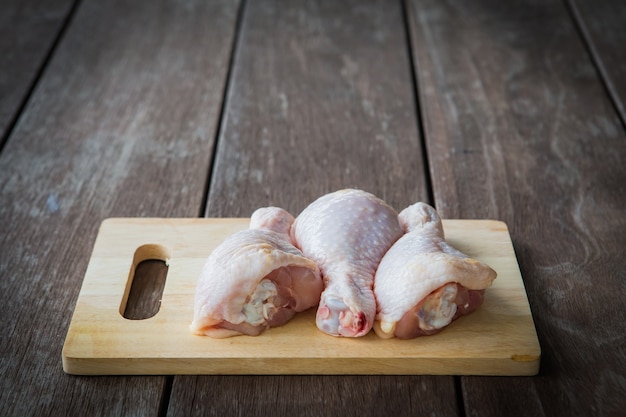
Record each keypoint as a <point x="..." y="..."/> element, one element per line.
<point x="294" y="366"/>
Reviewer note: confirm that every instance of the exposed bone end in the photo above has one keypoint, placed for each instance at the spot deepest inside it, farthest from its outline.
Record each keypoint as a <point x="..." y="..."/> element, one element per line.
<point x="334" y="317"/>
<point x="384" y="329"/>
<point x="438" y="309"/>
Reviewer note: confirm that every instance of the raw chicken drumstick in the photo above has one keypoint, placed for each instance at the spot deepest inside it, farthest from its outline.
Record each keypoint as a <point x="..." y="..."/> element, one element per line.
<point x="255" y="279"/>
<point x="346" y="233"/>
<point x="422" y="283"/>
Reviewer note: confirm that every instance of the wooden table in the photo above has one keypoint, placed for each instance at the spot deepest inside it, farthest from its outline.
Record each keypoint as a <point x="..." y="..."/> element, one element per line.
<point x="502" y="110"/>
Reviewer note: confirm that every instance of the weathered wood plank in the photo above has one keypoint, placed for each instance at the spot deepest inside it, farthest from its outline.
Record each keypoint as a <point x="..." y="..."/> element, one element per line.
<point x="519" y="128"/>
<point x="28" y="30"/>
<point x="321" y="99"/>
<point x="603" y="23"/>
<point x="312" y="396"/>
<point x="122" y="124"/>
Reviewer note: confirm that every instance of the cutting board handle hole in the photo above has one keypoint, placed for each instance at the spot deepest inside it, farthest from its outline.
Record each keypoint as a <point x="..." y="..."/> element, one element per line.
<point x="146" y="280"/>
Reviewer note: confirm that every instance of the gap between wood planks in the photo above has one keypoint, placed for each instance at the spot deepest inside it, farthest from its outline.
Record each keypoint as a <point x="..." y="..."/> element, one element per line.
<point x="166" y="393"/>
<point x="603" y="75"/>
<point x="220" y="123"/>
<point x="38" y="74"/>
<point x="418" y="109"/>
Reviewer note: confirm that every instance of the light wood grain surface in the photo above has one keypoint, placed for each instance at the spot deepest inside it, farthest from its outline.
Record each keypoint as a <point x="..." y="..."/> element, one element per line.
<point x="498" y="339"/>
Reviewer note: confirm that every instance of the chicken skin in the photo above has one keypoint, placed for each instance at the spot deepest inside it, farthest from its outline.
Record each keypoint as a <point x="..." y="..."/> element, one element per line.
<point x="255" y="279"/>
<point x="346" y="233"/>
<point x="422" y="283"/>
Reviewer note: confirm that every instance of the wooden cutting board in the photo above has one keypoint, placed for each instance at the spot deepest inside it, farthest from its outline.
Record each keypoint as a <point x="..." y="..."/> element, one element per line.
<point x="497" y="339"/>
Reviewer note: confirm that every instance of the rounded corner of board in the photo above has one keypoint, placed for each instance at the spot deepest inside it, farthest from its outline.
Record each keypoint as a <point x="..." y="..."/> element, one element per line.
<point x="531" y="364"/>
<point x="110" y="220"/>
<point x="69" y="366"/>
<point x="500" y="225"/>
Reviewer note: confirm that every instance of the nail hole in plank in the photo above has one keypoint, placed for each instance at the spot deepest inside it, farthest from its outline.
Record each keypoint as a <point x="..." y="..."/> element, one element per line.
<point x="146" y="281"/>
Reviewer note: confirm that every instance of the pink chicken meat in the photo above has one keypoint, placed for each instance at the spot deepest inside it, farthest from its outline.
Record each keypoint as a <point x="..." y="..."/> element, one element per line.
<point x="346" y="233"/>
<point x="255" y="279"/>
<point x="422" y="283"/>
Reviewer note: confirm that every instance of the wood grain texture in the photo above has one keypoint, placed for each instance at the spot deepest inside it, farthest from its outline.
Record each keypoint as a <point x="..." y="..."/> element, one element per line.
<point x="320" y="99"/>
<point x="312" y="396"/>
<point x="602" y="24"/>
<point x="498" y="339"/>
<point x="519" y="128"/>
<point x="122" y="123"/>
<point x="28" y="30"/>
